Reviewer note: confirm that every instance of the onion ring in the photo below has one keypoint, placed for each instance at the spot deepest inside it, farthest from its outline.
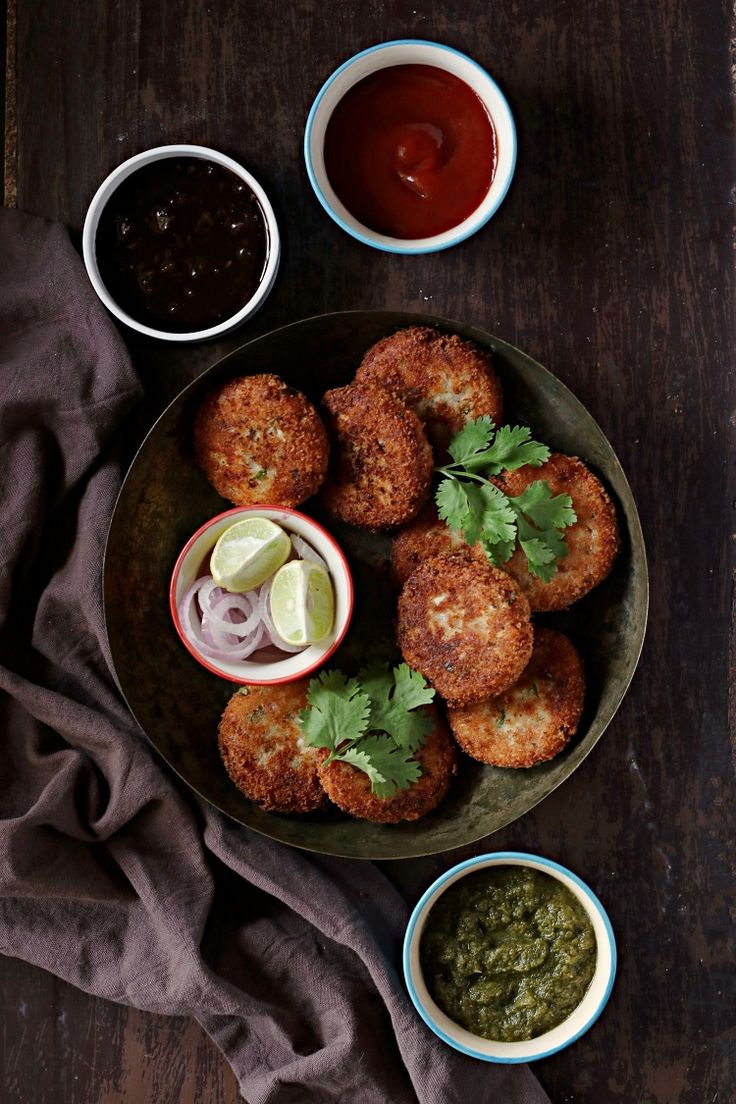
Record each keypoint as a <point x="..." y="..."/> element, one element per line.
<point x="207" y="612"/>
<point x="305" y="551"/>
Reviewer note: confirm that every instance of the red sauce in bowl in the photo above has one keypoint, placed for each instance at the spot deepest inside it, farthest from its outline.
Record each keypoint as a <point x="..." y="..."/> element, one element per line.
<point x="410" y="151"/>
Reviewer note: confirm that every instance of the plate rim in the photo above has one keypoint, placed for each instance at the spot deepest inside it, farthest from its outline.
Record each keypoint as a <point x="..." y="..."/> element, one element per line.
<point x="634" y="523"/>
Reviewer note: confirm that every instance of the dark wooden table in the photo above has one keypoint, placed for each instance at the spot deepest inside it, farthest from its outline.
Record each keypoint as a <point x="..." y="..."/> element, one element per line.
<point x="610" y="262"/>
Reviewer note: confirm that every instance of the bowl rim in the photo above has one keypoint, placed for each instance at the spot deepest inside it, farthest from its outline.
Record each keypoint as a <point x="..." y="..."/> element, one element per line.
<point x="323" y="657"/>
<point x="106" y="190"/>
<point x="433" y="244"/>
<point x="591" y="903"/>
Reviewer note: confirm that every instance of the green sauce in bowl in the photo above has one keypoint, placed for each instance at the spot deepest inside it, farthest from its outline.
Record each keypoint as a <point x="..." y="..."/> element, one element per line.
<point x="508" y="953"/>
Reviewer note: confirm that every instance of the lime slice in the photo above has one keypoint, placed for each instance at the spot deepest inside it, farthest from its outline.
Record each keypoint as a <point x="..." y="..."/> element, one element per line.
<point x="302" y="602"/>
<point x="248" y="553"/>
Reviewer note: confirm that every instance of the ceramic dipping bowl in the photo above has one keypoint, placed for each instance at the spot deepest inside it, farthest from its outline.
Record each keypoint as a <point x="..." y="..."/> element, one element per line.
<point x="268" y="672"/>
<point x="187" y="247"/>
<point x="565" y="1033"/>
<point x="410" y="52"/>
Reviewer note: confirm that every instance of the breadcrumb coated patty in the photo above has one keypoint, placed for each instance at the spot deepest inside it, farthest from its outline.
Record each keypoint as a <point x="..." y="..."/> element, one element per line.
<point x="535" y="718"/>
<point x="465" y="625"/>
<point x="259" y="440"/>
<point x="445" y="379"/>
<point x="350" y="788"/>
<point x="263" y="752"/>
<point x="423" y="538"/>
<point x="382" y="460"/>
<point x="592" y="541"/>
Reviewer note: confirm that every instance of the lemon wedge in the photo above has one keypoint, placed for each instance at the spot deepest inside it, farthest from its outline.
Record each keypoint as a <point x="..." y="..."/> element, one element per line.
<point x="302" y="602"/>
<point x="248" y="553"/>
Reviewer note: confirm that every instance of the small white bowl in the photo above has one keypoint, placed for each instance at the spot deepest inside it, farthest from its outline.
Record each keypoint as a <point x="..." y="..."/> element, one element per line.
<point x="115" y="179"/>
<point x="410" y="52"/>
<point x="248" y="672"/>
<point x="583" y="1017"/>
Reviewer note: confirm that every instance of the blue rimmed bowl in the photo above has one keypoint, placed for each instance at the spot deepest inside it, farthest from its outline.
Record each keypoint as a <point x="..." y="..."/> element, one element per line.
<point x="410" y="52"/>
<point x="578" y="1022"/>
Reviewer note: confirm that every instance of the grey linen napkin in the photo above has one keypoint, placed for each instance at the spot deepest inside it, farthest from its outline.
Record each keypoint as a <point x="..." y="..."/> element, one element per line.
<point x="112" y="876"/>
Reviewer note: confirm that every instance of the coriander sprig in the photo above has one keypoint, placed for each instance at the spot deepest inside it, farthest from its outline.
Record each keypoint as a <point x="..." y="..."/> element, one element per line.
<point x="468" y="501"/>
<point x="373" y="722"/>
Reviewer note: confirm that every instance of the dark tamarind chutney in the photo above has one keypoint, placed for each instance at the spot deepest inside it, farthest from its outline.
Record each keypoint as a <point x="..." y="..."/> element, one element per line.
<point x="182" y="244"/>
<point x="411" y="151"/>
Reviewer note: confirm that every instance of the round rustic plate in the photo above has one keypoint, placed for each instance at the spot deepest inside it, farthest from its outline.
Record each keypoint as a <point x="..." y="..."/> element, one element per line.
<point x="165" y="498"/>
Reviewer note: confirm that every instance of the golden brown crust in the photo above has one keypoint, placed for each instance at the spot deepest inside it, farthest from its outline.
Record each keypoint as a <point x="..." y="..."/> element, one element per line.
<point x="445" y="379"/>
<point x="383" y="462"/>
<point x="465" y="625"/>
<point x="350" y="788"/>
<point x="259" y="440"/>
<point x="425" y="537"/>
<point x="593" y="540"/>
<point x="261" y="747"/>
<point x="535" y="718"/>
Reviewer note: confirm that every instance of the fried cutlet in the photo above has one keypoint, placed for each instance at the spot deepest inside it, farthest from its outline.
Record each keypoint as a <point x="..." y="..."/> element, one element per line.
<point x="535" y="718"/>
<point x="262" y="748"/>
<point x="259" y="440"/>
<point x="382" y="461"/>
<point x="446" y="380"/>
<point x="465" y="625"/>
<point x="592" y="541"/>
<point x="350" y="788"/>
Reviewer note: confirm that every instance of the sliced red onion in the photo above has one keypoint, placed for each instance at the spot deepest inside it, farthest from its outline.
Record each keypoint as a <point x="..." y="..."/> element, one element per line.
<point x="221" y="639"/>
<point x="221" y="614"/>
<point x="208" y="618"/>
<point x="193" y="631"/>
<point x="305" y="551"/>
<point x="201" y="633"/>
<point x="194" y="590"/>
<point x="207" y="636"/>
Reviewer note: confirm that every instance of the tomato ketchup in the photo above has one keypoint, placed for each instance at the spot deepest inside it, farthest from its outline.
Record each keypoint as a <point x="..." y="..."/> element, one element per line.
<point x="410" y="151"/>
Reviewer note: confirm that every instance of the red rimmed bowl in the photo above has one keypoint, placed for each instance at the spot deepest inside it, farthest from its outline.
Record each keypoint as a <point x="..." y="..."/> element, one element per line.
<point x="265" y="672"/>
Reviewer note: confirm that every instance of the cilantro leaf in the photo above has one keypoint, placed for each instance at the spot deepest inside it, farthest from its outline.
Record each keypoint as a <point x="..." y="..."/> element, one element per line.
<point x="480" y="445"/>
<point x="540" y="558"/>
<point x="374" y="722"/>
<point x="498" y="552"/>
<point x="544" y="510"/>
<point x="395" y="699"/>
<point x="362" y="761"/>
<point x="411" y="688"/>
<point x="335" y="681"/>
<point x="470" y="503"/>
<point x="473" y="524"/>
<point x="374" y="681"/>
<point x="338" y="711"/>
<point x="539" y="521"/>
<point x="392" y="768"/>
<point x="545" y="572"/>
<point x="553" y="538"/>
<point x="498" y="521"/>
<point x="453" y="504"/>
<point x="474" y="437"/>
<point x="513" y="447"/>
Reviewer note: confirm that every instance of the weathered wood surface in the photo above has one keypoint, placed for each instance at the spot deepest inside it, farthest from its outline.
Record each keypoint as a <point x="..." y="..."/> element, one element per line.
<point x="610" y="262"/>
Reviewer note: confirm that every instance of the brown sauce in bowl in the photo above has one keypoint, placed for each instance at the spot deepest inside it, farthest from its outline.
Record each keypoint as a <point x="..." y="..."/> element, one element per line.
<point x="182" y="244"/>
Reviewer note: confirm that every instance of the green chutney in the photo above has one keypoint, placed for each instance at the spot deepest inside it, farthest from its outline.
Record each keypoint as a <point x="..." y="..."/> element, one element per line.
<point x="508" y="953"/>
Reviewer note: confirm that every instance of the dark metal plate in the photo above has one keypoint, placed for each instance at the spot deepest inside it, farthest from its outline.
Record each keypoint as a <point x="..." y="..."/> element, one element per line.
<point x="177" y="703"/>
